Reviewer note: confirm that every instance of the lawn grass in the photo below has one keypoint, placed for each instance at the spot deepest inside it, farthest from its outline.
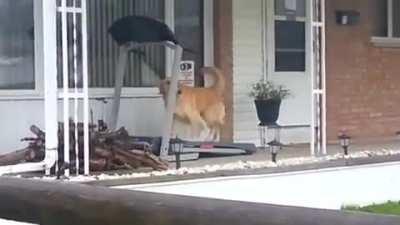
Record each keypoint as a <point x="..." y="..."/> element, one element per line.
<point x="389" y="208"/>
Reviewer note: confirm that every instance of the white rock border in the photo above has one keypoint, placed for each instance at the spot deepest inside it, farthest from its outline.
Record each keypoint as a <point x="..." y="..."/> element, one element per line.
<point x="235" y="166"/>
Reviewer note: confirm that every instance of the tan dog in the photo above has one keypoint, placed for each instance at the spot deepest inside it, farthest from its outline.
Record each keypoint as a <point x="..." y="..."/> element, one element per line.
<point x="201" y="107"/>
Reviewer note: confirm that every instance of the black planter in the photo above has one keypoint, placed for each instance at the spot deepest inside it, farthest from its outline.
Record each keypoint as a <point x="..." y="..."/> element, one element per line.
<point x="268" y="111"/>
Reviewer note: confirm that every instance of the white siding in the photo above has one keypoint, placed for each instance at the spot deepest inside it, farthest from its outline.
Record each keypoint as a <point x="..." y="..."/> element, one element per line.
<point x="140" y="116"/>
<point x="247" y="66"/>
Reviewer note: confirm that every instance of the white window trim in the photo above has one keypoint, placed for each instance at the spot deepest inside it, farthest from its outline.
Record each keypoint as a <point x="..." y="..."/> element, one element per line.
<point x="389" y="41"/>
<point x="38" y="91"/>
<point x="269" y="39"/>
<point x="209" y="33"/>
<point x="127" y="92"/>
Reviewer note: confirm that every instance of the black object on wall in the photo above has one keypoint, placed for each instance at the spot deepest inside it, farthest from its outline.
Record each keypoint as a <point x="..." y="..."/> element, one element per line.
<point x="347" y="17"/>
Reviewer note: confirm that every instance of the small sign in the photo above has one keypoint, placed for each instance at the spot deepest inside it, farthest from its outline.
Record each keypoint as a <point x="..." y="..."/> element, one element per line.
<point x="187" y="73"/>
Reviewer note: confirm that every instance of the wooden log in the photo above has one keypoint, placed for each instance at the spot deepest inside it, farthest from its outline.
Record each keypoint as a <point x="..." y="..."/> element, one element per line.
<point x="125" y="159"/>
<point x="50" y="203"/>
<point x="38" y="132"/>
<point x="129" y="143"/>
<point x="145" y="158"/>
<point x="98" y="164"/>
<point x="103" y="153"/>
<point x="108" y="150"/>
<point x="108" y="136"/>
<point x="23" y="155"/>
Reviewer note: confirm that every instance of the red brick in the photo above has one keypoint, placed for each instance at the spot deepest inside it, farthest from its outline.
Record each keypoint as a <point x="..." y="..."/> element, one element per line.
<point x="363" y="81"/>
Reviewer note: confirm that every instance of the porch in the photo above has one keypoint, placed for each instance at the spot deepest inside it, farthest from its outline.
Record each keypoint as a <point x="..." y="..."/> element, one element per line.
<point x="292" y="158"/>
<point x="299" y="151"/>
<point x="229" y="30"/>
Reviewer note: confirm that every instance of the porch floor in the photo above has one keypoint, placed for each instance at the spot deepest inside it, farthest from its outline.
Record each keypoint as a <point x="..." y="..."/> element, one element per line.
<point x="290" y="158"/>
<point x="385" y="151"/>
<point x="293" y="151"/>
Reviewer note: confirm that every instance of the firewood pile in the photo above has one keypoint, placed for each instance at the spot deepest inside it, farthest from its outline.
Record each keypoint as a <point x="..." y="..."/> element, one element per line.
<point x="108" y="150"/>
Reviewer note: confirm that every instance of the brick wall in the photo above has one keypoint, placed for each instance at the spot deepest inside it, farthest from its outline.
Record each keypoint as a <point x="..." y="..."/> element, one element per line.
<point x="363" y="81"/>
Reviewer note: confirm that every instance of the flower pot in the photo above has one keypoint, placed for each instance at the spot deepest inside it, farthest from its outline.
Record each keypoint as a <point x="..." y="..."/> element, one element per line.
<point x="268" y="111"/>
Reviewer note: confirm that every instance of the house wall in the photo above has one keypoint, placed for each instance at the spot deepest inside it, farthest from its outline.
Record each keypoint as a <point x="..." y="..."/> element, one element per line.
<point x="140" y="116"/>
<point x="247" y="67"/>
<point x="363" y="82"/>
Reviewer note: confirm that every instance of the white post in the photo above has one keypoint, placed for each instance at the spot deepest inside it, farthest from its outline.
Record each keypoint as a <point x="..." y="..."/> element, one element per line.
<point x="64" y="30"/>
<point x="171" y="103"/>
<point x="85" y="89"/>
<point x="50" y="79"/>
<point x="316" y="31"/>
<point x="323" y="75"/>
<point x="76" y="98"/>
<point x="310" y="63"/>
<point x="169" y="17"/>
<point x="208" y="28"/>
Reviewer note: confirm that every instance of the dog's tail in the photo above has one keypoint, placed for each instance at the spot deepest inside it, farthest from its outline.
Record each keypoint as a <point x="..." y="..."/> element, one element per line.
<point x="219" y="79"/>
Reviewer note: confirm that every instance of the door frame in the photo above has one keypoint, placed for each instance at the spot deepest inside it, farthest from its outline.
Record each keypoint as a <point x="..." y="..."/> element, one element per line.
<point x="269" y="40"/>
<point x="315" y="64"/>
<point x="269" y="73"/>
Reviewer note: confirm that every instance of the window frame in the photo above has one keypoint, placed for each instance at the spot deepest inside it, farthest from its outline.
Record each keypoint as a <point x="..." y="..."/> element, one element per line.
<point x="38" y="91"/>
<point x="169" y="16"/>
<point x="269" y="39"/>
<point x="389" y="40"/>
<point x="127" y="92"/>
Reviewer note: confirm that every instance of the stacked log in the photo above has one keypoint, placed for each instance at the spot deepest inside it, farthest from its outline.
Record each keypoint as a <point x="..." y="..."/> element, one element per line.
<point x="108" y="150"/>
<point x="34" y="152"/>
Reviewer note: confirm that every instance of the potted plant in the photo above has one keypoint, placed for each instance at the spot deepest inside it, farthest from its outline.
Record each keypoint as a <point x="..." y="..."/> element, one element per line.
<point x="268" y="97"/>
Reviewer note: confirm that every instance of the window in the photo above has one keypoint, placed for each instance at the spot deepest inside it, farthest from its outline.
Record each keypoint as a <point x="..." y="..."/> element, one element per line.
<point x="17" y="45"/>
<point x="189" y="31"/>
<point x="388" y="34"/>
<point x="393" y="18"/>
<point x="146" y="65"/>
<point x="289" y="35"/>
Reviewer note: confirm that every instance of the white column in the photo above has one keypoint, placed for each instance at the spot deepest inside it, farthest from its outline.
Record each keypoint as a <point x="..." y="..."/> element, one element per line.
<point x="66" y="94"/>
<point x="323" y="70"/>
<point x="170" y="21"/>
<point x="208" y="28"/>
<point x="85" y="88"/>
<point x="310" y="69"/>
<point x="50" y="75"/>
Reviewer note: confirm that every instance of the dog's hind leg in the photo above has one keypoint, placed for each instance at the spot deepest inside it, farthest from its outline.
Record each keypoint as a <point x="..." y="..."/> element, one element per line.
<point x="214" y="134"/>
<point x="198" y="124"/>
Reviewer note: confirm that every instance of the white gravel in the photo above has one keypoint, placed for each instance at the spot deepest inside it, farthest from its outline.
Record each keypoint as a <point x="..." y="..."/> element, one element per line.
<point x="239" y="165"/>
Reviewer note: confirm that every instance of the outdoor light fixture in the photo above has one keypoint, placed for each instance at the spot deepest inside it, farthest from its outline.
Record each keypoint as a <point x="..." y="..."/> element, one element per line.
<point x="274" y="147"/>
<point x="177" y="148"/>
<point x="344" y="142"/>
